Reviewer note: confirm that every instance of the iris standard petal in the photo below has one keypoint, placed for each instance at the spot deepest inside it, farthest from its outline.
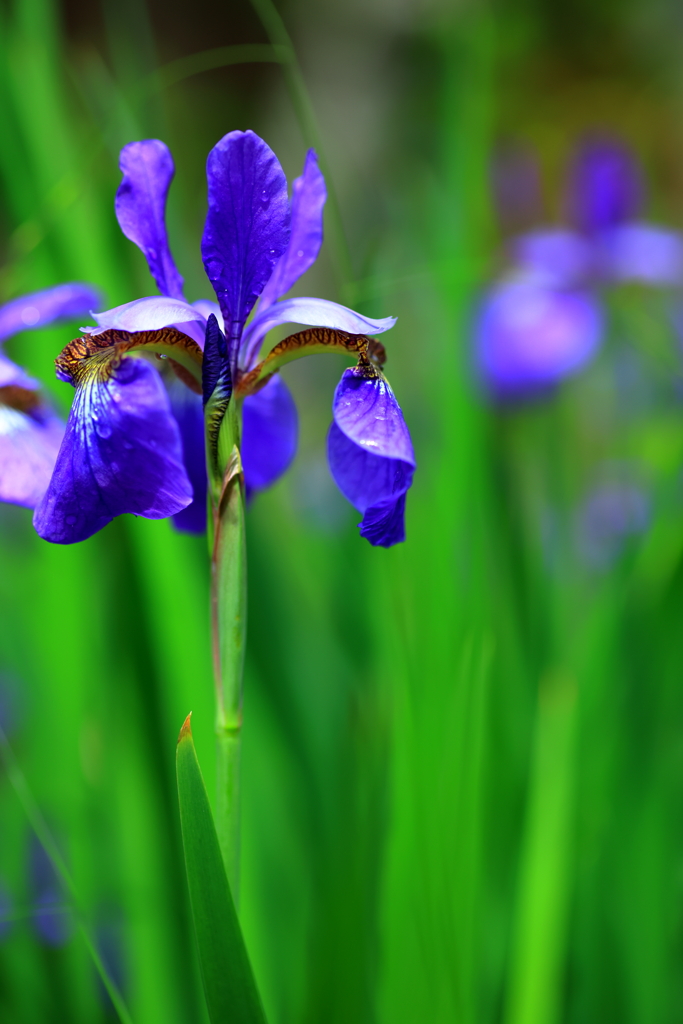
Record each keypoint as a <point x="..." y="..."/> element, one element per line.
<point x="306" y="234"/>
<point x="64" y="302"/>
<point x="247" y="224"/>
<point x="270" y="427"/>
<point x="189" y="415"/>
<point x="377" y="486"/>
<point x="528" y="337"/>
<point x="605" y="186"/>
<point x="140" y="206"/>
<point x="29" y="443"/>
<point x="643" y="253"/>
<point x="555" y="257"/>
<point x="148" y="314"/>
<point x="312" y="313"/>
<point x="122" y="452"/>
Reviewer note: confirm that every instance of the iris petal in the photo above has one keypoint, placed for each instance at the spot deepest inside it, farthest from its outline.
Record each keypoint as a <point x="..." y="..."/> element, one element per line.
<point x="247" y="224"/>
<point x="555" y="257"/>
<point x="606" y="187"/>
<point x="29" y="443"/>
<point x="312" y="313"/>
<point x="148" y="314"/>
<point x="141" y="208"/>
<point x="122" y="452"/>
<point x="528" y="337"/>
<point x="269" y="434"/>
<point x="375" y="485"/>
<point x="306" y="235"/>
<point x="189" y="414"/>
<point x="370" y="453"/>
<point x="643" y="253"/>
<point x="64" y="302"/>
<point x="12" y="375"/>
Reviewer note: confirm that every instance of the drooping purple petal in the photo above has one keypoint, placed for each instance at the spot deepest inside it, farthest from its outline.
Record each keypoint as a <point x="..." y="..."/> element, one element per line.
<point x="63" y="302"/>
<point x="269" y="434"/>
<point x="605" y="186"/>
<point x="375" y="485"/>
<point x="29" y="443"/>
<point x="555" y="256"/>
<point x="643" y="253"/>
<point x="312" y="313"/>
<point x="528" y="338"/>
<point x="122" y="452"/>
<point x="371" y="454"/>
<point x="366" y="410"/>
<point x="140" y="206"/>
<point x="189" y="415"/>
<point x="148" y="314"/>
<point x="306" y="234"/>
<point x="247" y="224"/>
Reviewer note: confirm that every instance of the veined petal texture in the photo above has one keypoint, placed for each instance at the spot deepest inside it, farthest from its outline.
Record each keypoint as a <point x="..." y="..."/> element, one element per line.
<point x="306" y="234"/>
<point x="311" y="313"/>
<point x="147" y="314"/>
<point x="122" y="452"/>
<point x="38" y="309"/>
<point x="140" y="206"/>
<point x="528" y="337"/>
<point x="270" y="427"/>
<point x="29" y="443"/>
<point x="371" y="454"/>
<point x="247" y="224"/>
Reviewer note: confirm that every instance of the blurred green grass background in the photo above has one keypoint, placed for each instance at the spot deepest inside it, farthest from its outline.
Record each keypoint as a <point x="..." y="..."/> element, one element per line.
<point x="463" y="760"/>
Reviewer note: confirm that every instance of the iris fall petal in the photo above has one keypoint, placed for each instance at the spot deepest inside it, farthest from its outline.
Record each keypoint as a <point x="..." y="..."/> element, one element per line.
<point x="64" y="302"/>
<point x="29" y="443"/>
<point x="149" y="314"/>
<point x="122" y="452"/>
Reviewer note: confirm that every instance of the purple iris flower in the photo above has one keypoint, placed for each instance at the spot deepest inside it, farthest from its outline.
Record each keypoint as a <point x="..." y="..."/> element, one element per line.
<point x="30" y="431"/>
<point x="545" y="321"/>
<point x="133" y="444"/>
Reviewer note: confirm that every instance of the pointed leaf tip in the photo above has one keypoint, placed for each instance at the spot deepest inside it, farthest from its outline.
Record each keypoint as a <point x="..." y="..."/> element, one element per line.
<point x="186" y="730"/>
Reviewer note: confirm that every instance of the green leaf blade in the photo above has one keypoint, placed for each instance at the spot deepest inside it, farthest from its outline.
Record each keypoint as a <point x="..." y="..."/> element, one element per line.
<point x="229" y="985"/>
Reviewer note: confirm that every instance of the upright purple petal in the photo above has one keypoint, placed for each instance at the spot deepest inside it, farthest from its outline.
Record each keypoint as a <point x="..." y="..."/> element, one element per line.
<point x="269" y="434"/>
<point x="247" y="224"/>
<point x="306" y="235"/>
<point x="122" y="452"/>
<point x="528" y="337"/>
<point x="371" y="454"/>
<point x="605" y="186"/>
<point x="148" y="314"/>
<point x="312" y="313"/>
<point x="141" y="208"/>
<point x="29" y="443"/>
<point x="189" y="415"/>
<point x="643" y="253"/>
<point x="63" y="302"/>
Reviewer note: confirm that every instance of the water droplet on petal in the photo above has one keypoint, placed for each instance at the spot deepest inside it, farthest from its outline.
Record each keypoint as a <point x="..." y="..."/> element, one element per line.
<point x="265" y="198"/>
<point x="103" y="429"/>
<point x="300" y="253"/>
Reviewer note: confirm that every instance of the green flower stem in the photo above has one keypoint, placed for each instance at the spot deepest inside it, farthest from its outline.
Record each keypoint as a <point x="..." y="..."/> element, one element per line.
<point x="229" y="620"/>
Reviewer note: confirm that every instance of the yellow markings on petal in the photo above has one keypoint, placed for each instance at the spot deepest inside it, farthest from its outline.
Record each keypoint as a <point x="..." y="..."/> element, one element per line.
<point x="97" y="355"/>
<point x="304" y="343"/>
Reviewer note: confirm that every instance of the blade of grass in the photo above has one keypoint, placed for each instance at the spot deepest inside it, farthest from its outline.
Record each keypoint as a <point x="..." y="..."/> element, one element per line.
<point x="229" y="984"/>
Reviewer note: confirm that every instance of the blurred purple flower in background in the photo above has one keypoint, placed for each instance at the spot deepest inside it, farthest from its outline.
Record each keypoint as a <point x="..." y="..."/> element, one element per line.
<point x="134" y="445"/>
<point x="30" y="431"/>
<point x="611" y="515"/>
<point x="544" y="320"/>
